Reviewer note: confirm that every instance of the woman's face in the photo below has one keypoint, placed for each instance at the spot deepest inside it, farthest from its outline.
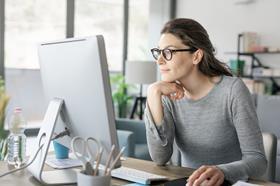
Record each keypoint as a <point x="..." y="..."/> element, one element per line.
<point x="181" y="64"/>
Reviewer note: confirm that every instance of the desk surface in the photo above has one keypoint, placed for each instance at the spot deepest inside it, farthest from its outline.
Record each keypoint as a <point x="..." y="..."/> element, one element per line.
<point x="172" y="172"/>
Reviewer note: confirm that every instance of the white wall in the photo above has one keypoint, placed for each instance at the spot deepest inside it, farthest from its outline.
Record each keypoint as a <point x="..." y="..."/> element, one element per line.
<point x="159" y="15"/>
<point x="224" y="19"/>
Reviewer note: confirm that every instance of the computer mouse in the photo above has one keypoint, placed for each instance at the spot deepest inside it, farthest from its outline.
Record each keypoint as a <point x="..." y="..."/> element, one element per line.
<point x="202" y="184"/>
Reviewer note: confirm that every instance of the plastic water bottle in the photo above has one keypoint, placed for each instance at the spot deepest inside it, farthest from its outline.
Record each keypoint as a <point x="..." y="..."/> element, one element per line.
<point x="17" y="139"/>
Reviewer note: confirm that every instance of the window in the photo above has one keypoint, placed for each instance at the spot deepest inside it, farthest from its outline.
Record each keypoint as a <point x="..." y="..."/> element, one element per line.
<point x="27" y="23"/>
<point x="30" y="22"/>
<point x="138" y="30"/>
<point x="102" y="17"/>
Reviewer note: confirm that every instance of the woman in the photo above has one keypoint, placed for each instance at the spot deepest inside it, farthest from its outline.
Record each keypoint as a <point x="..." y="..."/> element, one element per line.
<point x="208" y="112"/>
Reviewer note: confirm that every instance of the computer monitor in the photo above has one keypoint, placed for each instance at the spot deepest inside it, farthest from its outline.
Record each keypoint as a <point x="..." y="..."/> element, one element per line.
<point x="75" y="73"/>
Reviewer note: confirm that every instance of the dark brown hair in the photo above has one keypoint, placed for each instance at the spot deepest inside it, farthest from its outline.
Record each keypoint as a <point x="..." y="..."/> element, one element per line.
<point x="194" y="35"/>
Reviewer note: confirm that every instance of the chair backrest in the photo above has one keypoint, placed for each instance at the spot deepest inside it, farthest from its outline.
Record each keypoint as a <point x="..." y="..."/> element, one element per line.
<point x="268" y="113"/>
<point x="126" y="139"/>
<point x="270" y="148"/>
<point x="136" y="126"/>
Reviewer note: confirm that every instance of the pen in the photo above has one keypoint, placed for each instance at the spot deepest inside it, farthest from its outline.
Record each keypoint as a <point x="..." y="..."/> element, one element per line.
<point x="109" y="159"/>
<point x="98" y="161"/>
<point x="116" y="160"/>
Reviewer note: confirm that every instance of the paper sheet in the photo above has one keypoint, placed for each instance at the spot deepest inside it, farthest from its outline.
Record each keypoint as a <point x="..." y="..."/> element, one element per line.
<point x="63" y="163"/>
<point x="242" y="183"/>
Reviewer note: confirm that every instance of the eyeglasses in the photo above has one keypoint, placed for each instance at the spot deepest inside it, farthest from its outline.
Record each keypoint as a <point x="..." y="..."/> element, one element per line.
<point x="167" y="53"/>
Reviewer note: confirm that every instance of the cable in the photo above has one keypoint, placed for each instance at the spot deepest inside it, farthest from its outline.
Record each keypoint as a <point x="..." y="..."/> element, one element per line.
<point x="61" y="134"/>
<point x="25" y="166"/>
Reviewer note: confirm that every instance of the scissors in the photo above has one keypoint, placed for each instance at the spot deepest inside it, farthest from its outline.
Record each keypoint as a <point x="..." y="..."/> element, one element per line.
<point x="83" y="151"/>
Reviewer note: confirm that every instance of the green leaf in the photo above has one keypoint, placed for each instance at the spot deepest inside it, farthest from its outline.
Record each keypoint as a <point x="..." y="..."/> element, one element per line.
<point x="4" y="99"/>
<point x="119" y="94"/>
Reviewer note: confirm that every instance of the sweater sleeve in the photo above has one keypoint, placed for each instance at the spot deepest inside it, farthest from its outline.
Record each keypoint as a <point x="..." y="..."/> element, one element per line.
<point x="244" y="118"/>
<point x="160" y="137"/>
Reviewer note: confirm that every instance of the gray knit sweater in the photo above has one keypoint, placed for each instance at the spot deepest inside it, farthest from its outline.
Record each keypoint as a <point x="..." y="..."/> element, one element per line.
<point x="219" y="129"/>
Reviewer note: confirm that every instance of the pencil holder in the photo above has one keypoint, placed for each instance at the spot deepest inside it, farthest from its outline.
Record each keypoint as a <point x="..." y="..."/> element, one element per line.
<point x="90" y="180"/>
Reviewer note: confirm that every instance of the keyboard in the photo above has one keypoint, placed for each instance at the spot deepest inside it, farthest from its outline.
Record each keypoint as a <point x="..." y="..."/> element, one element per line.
<point x="137" y="176"/>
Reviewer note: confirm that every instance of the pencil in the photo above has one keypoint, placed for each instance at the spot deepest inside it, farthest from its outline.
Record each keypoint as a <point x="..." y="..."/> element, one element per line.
<point x="109" y="159"/>
<point x="97" y="162"/>
<point x="116" y="160"/>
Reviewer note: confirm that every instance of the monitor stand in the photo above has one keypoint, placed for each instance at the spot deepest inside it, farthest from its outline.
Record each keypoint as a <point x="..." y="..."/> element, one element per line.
<point x="66" y="176"/>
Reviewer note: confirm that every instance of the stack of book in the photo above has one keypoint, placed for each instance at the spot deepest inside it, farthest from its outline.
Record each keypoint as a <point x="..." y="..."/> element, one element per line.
<point x="262" y="72"/>
<point x="251" y="41"/>
<point x="255" y="86"/>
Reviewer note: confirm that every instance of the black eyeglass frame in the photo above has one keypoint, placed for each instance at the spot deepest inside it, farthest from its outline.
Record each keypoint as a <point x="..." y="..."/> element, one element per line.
<point x="193" y="49"/>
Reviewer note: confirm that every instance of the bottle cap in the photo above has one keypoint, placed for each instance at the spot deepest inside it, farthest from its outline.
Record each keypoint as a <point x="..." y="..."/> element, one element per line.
<point x="17" y="110"/>
<point x="17" y="121"/>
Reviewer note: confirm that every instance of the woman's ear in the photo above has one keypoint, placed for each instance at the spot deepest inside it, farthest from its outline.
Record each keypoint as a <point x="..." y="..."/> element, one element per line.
<point x="197" y="56"/>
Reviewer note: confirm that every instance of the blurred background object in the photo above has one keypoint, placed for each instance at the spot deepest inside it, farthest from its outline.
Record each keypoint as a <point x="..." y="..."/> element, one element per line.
<point x="140" y="72"/>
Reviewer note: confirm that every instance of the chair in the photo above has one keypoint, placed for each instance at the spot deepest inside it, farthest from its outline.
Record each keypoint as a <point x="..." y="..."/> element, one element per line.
<point x="126" y="138"/>
<point x="269" y="117"/>
<point x="270" y="148"/>
<point x="137" y="127"/>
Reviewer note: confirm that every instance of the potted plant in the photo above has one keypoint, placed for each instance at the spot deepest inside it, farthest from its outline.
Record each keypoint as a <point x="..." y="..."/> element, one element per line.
<point x="4" y="99"/>
<point x="119" y="94"/>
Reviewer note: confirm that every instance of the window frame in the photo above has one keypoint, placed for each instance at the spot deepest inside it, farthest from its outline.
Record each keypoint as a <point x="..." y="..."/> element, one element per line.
<point x="2" y="37"/>
<point x="70" y="23"/>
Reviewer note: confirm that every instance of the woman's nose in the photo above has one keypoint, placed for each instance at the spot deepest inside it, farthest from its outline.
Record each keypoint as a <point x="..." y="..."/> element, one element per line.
<point x="160" y="60"/>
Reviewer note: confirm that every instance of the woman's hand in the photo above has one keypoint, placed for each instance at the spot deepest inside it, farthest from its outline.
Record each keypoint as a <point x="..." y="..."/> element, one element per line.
<point x="155" y="91"/>
<point x="206" y="175"/>
<point x="173" y="90"/>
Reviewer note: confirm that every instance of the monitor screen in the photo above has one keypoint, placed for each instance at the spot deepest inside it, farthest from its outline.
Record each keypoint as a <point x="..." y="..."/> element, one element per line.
<point x="76" y="71"/>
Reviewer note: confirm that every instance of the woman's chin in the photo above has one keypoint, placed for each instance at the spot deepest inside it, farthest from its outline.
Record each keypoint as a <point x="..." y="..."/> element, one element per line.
<point x="167" y="79"/>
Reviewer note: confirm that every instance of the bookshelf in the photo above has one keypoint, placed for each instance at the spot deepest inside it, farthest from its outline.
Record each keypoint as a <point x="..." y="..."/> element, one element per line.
<point x="256" y="63"/>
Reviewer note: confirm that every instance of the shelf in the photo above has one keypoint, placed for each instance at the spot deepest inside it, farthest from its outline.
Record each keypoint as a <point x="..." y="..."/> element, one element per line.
<point x="252" y="53"/>
<point x="260" y="77"/>
<point x="257" y="63"/>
